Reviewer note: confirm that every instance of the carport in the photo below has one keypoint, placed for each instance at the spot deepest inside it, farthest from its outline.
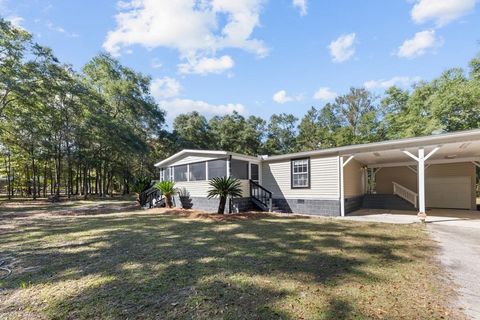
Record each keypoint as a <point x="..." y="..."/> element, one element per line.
<point x="436" y="171"/>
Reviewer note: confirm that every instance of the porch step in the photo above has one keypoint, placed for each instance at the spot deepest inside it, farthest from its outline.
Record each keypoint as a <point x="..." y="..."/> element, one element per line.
<point x="386" y="201"/>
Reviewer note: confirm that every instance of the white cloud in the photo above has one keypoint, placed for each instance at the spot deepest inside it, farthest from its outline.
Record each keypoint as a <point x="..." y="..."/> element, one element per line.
<point x="342" y="49"/>
<point x="301" y="5"/>
<point x="324" y="93"/>
<point x="441" y="11"/>
<point x="403" y="82"/>
<point x="206" y="65"/>
<point x="10" y="16"/>
<point x="419" y="44"/>
<point x="178" y="106"/>
<point x="165" y="87"/>
<point x="197" y="29"/>
<point x="282" y="97"/>
<point x="16" y="21"/>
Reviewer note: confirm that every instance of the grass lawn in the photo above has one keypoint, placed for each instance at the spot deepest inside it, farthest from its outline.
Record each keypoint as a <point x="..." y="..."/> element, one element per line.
<point x="160" y="264"/>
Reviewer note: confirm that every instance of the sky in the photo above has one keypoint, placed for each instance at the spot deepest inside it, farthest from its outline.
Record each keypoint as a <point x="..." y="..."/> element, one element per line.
<point x="258" y="57"/>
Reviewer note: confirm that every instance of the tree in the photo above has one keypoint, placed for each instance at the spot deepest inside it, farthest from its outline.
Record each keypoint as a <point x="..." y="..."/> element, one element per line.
<point x="281" y="136"/>
<point x="167" y="188"/>
<point x="309" y="137"/>
<point x="224" y="187"/>
<point x="358" y="117"/>
<point x="234" y="133"/>
<point x="192" y="131"/>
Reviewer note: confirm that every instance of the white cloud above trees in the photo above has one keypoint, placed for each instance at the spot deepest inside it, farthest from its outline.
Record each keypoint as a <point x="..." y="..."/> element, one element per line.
<point x="324" y="93"/>
<point x="301" y="5"/>
<point x="343" y="48"/>
<point x="441" y="12"/>
<point x="207" y="65"/>
<point x="196" y="29"/>
<point x="420" y="44"/>
<point x="403" y="82"/>
<point x="165" y="87"/>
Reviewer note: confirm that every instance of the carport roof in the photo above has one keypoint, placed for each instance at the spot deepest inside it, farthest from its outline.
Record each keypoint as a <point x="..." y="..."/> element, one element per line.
<point x="454" y="145"/>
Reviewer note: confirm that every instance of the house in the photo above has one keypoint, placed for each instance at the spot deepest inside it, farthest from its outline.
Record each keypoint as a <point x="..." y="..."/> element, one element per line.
<point x="437" y="171"/>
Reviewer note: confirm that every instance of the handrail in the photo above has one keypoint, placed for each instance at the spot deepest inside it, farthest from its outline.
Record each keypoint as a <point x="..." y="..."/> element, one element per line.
<point x="405" y="193"/>
<point x="261" y="194"/>
<point x="147" y="196"/>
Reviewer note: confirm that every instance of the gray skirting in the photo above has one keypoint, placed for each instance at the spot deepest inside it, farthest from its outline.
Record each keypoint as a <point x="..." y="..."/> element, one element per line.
<point x="353" y="204"/>
<point x="211" y="205"/>
<point x="304" y="206"/>
<point x="308" y="206"/>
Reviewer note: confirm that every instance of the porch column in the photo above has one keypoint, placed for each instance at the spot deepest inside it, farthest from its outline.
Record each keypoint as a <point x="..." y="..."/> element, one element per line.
<point x="229" y="159"/>
<point x="421" y="180"/>
<point x="342" y="184"/>
<point x="421" y="174"/>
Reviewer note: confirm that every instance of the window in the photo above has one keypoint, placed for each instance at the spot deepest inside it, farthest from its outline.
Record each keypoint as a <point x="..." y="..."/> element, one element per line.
<point x="254" y="175"/>
<point x="301" y="173"/>
<point x="180" y="173"/>
<point x="198" y="171"/>
<point x="217" y="168"/>
<point x="239" y="169"/>
<point x="162" y="174"/>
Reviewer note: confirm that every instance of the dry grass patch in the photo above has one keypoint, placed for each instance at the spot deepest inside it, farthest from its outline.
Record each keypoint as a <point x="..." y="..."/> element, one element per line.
<point x="168" y="264"/>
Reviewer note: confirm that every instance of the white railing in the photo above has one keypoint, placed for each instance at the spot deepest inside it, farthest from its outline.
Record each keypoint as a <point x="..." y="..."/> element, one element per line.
<point x="405" y="193"/>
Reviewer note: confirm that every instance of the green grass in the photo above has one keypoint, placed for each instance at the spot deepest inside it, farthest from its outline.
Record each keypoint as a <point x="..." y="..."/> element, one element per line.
<point x="144" y="264"/>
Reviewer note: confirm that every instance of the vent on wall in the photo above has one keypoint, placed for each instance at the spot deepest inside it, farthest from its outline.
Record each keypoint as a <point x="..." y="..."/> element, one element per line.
<point x="300" y="201"/>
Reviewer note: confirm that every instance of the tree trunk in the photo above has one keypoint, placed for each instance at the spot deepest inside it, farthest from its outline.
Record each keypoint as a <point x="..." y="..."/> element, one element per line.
<point x="96" y="180"/>
<point x="7" y="168"/>
<point x="221" y="206"/>
<point x="85" y="183"/>
<point x="105" y="176"/>
<point x="45" y="180"/>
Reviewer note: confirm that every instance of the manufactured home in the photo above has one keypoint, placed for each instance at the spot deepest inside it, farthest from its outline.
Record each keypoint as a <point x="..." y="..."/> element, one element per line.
<point x="437" y="171"/>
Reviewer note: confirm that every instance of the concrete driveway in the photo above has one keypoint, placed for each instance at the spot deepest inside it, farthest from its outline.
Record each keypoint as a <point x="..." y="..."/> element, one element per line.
<point x="460" y="254"/>
<point x="458" y="235"/>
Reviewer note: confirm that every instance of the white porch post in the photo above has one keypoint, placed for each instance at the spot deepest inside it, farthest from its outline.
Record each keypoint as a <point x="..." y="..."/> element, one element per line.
<point x="421" y="180"/>
<point x="229" y="158"/>
<point x="342" y="189"/>
<point x="342" y="184"/>
<point x="421" y="175"/>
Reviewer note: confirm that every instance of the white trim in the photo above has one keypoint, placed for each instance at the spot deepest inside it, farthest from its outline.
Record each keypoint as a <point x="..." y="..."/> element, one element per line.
<point x="409" y="163"/>
<point x="228" y="167"/>
<point x="411" y="155"/>
<point x="421" y="180"/>
<point x="348" y="160"/>
<point x="207" y="152"/>
<point x="477" y="163"/>
<point x="432" y="140"/>
<point x="342" y="188"/>
<point x="431" y="153"/>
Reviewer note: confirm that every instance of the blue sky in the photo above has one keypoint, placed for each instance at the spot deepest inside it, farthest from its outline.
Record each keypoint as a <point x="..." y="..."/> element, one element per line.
<point x="259" y="56"/>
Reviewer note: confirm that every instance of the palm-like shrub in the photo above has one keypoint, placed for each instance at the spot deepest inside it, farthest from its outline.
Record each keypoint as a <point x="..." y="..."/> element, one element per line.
<point x="167" y="188"/>
<point x="224" y="187"/>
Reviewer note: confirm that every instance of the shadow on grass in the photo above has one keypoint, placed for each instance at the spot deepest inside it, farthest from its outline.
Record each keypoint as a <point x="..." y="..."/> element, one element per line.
<point x="161" y="266"/>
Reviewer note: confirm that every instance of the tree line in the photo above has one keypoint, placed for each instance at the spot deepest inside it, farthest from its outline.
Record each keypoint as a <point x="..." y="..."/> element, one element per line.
<point x="98" y="131"/>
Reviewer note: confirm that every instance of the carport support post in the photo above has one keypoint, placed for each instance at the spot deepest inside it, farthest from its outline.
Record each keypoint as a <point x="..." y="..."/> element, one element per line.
<point x="421" y="180"/>
<point x="342" y="184"/>
<point x="421" y="177"/>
